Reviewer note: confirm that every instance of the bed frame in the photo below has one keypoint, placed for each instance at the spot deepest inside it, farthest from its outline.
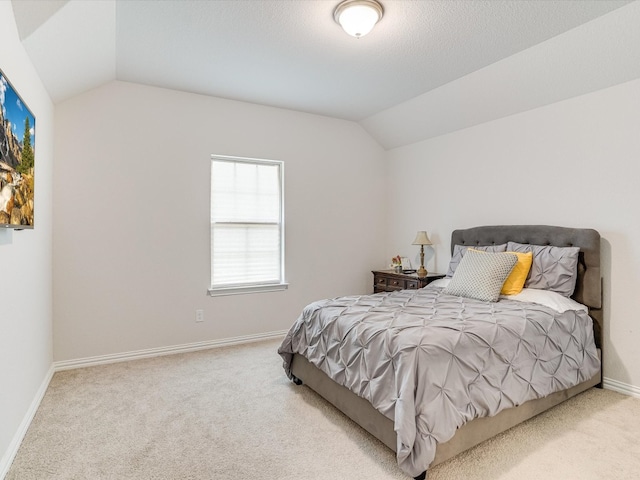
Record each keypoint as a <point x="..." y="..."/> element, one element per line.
<point x="588" y="292"/>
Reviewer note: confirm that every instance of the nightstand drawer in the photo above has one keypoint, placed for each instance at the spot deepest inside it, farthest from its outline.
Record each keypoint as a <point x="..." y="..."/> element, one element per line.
<point x="395" y="284"/>
<point x="381" y="282"/>
<point x="411" y="284"/>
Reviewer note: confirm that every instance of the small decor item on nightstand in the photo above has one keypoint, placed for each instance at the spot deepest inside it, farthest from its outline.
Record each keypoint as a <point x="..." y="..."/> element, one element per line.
<point x="406" y="266"/>
<point x="396" y="264"/>
<point x="422" y="239"/>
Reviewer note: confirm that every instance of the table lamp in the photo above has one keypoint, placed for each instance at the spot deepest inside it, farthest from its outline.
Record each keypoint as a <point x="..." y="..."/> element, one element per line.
<point x="422" y="239"/>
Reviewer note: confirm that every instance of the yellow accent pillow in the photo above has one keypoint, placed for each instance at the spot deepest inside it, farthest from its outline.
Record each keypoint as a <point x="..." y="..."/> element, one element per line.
<point x="515" y="281"/>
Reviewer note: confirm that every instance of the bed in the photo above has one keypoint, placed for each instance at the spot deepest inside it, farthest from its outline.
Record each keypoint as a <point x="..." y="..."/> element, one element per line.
<point x="475" y="374"/>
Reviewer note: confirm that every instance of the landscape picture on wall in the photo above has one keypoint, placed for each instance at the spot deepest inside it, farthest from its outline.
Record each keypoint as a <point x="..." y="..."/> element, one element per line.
<point x="17" y="152"/>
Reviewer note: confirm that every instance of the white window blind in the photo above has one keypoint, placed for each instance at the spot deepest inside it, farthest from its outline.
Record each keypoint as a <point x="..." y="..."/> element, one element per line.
<point x="247" y="228"/>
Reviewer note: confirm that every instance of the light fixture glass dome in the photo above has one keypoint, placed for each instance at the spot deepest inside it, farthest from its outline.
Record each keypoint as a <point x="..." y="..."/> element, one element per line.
<point x="358" y="17"/>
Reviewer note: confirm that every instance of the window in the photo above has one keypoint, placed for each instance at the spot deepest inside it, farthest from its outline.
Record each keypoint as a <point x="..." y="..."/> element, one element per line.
<point x="247" y="225"/>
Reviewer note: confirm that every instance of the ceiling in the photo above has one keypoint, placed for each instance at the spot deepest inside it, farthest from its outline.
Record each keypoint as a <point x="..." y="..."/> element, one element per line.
<point x="285" y="53"/>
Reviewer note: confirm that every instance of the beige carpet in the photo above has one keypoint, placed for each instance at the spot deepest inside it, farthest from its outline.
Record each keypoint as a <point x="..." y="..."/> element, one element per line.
<point x="231" y="414"/>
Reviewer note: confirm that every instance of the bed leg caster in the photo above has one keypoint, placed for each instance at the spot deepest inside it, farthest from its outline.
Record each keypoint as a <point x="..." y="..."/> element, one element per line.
<point x="296" y="380"/>
<point x="422" y="476"/>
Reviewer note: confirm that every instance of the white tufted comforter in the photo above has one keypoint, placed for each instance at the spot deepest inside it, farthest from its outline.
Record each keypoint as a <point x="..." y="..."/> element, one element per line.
<point x="431" y="362"/>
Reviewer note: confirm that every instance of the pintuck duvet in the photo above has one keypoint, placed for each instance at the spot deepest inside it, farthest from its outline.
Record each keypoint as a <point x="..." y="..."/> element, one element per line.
<point x="431" y="362"/>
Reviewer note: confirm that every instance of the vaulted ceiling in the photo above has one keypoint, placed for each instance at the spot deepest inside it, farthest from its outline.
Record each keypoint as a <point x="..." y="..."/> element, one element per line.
<point x="286" y="53"/>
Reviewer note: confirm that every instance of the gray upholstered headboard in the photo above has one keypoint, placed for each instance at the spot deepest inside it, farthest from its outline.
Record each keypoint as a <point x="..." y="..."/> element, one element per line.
<point x="589" y="283"/>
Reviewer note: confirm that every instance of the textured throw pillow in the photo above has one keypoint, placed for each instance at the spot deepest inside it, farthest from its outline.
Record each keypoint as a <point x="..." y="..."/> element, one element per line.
<point x="553" y="268"/>
<point x="480" y="275"/>
<point x="515" y="281"/>
<point x="460" y="250"/>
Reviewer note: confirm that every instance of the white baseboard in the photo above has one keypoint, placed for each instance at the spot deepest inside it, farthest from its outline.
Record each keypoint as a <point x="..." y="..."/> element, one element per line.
<point x="10" y="453"/>
<point x="621" y="387"/>
<point x="156" y="352"/>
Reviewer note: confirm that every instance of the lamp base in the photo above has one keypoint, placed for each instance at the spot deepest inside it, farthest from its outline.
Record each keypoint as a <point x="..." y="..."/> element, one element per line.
<point x="422" y="272"/>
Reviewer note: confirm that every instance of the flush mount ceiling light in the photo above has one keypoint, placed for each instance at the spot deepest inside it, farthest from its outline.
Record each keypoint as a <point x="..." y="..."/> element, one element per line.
<point x="358" y="17"/>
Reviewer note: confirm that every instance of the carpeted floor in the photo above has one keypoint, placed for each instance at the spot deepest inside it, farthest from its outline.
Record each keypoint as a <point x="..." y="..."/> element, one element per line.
<point x="231" y="413"/>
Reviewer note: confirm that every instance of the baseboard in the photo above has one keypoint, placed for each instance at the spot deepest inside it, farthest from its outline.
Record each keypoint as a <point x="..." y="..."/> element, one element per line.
<point x="10" y="453"/>
<point x="160" y="351"/>
<point x="621" y="387"/>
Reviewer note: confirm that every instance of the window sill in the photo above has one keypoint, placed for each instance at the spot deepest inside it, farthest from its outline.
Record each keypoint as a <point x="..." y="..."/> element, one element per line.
<point x="221" y="291"/>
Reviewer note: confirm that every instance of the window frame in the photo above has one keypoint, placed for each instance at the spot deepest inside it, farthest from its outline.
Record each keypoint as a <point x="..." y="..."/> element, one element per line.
<point x="257" y="287"/>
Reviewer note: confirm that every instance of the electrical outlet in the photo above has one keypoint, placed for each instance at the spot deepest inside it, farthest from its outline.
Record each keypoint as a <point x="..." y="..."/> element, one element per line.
<point x="199" y="315"/>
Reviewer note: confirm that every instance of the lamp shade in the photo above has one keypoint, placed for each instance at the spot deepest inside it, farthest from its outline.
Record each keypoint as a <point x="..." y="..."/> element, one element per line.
<point x="422" y="239"/>
<point x="358" y="17"/>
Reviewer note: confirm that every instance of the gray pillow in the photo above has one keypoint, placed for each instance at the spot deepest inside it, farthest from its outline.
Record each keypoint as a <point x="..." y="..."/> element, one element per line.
<point x="480" y="275"/>
<point x="460" y="250"/>
<point x="553" y="268"/>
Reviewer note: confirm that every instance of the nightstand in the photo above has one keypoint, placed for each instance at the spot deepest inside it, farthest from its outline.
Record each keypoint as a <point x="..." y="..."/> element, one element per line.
<point x="389" y="280"/>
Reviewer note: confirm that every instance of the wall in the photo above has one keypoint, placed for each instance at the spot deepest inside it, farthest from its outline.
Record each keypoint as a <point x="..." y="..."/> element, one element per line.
<point x="595" y="55"/>
<point x="25" y="263"/>
<point x="131" y="196"/>
<point x="573" y="163"/>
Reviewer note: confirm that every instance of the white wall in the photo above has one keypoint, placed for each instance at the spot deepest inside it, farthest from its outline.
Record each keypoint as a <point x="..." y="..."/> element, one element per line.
<point x="131" y="196"/>
<point x="25" y="261"/>
<point x="573" y="163"/>
<point x="595" y="55"/>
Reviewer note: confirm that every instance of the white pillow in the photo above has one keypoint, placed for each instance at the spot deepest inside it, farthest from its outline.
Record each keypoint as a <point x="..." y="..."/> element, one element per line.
<point x="547" y="298"/>
<point x="550" y="299"/>
<point x="440" y="283"/>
